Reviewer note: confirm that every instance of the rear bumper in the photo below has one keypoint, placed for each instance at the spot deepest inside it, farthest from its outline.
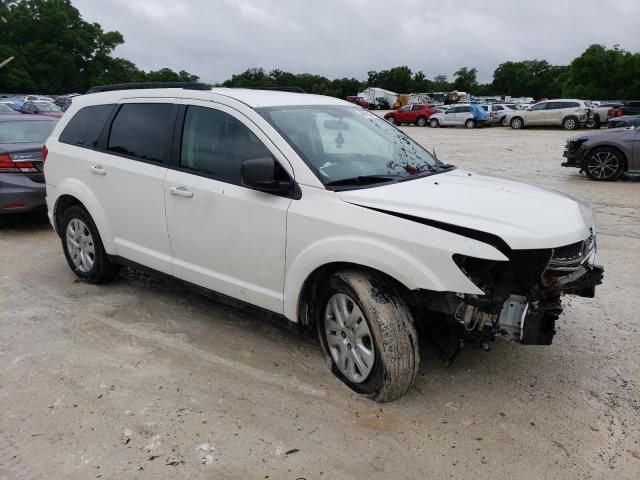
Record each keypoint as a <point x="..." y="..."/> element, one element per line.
<point x="20" y="194"/>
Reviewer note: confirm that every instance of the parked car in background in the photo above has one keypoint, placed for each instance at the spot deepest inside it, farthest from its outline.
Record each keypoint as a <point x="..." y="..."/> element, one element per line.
<point x="599" y="114"/>
<point x="495" y="113"/>
<point x="41" y="108"/>
<point x="37" y="98"/>
<point x="626" y="108"/>
<point x="4" y="109"/>
<point x="64" y="101"/>
<point x="569" y="114"/>
<point x="358" y="101"/>
<point x="605" y="155"/>
<point x="456" y="115"/>
<point x="625" y="121"/>
<point x="319" y="212"/>
<point x="22" y="137"/>
<point x="13" y="103"/>
<point x="418" y="114"/>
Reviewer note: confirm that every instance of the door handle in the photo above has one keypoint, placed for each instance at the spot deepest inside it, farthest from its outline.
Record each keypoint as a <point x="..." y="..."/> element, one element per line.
<point x="98" y="170"/>
<point x="180" y="191"/>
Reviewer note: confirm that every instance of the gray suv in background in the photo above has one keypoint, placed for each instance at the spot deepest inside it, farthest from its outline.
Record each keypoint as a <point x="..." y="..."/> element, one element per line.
<point x="22" y="137"/>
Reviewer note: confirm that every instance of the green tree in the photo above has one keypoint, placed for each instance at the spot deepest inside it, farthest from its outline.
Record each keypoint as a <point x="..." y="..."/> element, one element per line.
<point x="465" y="79"/>
<point x="57" y="51"/>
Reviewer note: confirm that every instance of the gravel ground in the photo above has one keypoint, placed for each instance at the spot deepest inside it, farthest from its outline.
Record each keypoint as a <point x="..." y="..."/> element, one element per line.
<point x="143" y="378"/>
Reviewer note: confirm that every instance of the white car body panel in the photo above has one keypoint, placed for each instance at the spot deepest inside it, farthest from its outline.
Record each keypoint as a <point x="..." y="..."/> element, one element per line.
<point x="261" y="248"/>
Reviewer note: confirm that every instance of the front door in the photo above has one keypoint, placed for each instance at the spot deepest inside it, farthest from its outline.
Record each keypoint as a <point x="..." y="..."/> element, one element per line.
<point x="536" y="116"/>
<point x="225" y="237"/>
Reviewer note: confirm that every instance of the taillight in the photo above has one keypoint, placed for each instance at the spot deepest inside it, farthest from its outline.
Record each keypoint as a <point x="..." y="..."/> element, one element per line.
<point x="7" y="165"/>
<point x="45" y="152"/>
<point x="610" y="113"/>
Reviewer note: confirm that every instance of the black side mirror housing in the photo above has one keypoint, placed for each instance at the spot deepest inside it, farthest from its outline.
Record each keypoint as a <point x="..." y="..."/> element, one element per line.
<point x="262" y="174"/>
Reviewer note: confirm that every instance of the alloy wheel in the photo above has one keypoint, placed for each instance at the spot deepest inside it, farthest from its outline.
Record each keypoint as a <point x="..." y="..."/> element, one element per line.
<point x="80" y="245"/>
<point x="349" y="338"/>
<point x="603" y="165"/>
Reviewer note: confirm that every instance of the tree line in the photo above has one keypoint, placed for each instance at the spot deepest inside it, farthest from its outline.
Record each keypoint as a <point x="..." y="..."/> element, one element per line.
<point x="598" y="73"/>
<point x="56" y="51"/>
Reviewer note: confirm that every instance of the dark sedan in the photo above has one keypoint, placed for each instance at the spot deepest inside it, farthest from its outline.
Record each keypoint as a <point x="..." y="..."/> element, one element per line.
<point x="22" y="137"/>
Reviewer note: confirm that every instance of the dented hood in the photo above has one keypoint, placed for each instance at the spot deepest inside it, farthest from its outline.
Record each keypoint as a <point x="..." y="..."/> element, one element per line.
<point x="523" y="215"/>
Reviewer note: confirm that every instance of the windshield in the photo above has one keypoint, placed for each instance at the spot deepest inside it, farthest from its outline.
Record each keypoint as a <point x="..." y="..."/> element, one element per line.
<point x="25" y="131"/>
<point x="341" y="143"/>
<point x="6" y="108"/>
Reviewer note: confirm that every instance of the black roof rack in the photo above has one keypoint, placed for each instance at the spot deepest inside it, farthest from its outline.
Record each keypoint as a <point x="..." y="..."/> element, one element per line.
<point x="145" y="85"/>
<point x="279" y="89"/>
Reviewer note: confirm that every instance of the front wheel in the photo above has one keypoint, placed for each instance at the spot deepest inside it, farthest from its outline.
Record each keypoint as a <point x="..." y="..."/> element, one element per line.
<point x="83" y="247"/>
<point x="604" y="164"/>
<point x="434" y="123"/>
<point x="470" y="123"/>
<point x="391" y="119"/>
<point x="368" y="335"/>
<point x="517" y="123"/>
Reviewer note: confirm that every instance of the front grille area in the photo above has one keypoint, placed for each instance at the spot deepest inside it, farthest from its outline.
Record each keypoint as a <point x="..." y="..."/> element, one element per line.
<point x="568" y="253"/>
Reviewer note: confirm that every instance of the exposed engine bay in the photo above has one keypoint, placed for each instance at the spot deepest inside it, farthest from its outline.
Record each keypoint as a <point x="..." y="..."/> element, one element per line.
<point x="522" y="298"/>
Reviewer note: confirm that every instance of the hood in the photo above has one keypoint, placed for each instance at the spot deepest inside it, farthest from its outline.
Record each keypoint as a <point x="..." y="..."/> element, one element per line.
<point x="523" y="215"/>
<point x="599" y="133"/>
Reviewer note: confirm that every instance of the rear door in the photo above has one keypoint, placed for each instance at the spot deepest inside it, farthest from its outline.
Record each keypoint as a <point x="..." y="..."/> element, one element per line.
<point x="127" y="178"/>
<point x="555" y="112"/>
<point x="224" y="236"/>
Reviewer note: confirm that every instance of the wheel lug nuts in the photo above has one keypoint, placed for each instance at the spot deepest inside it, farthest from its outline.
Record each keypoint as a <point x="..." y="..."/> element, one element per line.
<point x="348" y="346"/>
<point x="344" y="335"/>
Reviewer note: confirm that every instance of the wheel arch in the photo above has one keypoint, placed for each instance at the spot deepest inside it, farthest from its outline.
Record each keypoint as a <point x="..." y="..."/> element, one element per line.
<point x="612" y="147"/>
<point x="308" y="296"/>
<point x="73" y="194"/>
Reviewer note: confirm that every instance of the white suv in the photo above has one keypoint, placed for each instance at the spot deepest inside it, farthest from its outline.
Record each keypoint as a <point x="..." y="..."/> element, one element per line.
<point x="317" y="210"/>
<point x="569" y="114"/>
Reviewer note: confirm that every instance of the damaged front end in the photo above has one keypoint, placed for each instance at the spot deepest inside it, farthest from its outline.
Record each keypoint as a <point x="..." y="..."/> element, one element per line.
<point x="522" y="299"/>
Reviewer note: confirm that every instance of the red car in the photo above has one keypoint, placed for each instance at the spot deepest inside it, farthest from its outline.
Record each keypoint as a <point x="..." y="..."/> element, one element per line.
<point x="416" y="113"/>
<point x="42" y="108"/>
<point x="358" y="101"/>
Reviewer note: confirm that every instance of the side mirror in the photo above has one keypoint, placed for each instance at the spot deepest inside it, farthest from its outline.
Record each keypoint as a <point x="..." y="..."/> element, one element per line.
<point x="261" y="174"/>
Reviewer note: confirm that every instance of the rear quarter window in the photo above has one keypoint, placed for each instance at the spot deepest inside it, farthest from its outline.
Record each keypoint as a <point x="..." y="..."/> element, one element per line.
<point x="143" y="130"/>
<point x="86" y="126"/>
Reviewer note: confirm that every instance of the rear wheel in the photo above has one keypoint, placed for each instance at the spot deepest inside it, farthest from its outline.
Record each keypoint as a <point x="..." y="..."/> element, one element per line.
<point x="570" y="123"/>
<point x="368" y="335"/>
<point x="434" y="123"/>
<point x="421" y="122"/>
<point x="83" y="247"/>
<point x="604" y="163"/>
<point x="470" y="123"/>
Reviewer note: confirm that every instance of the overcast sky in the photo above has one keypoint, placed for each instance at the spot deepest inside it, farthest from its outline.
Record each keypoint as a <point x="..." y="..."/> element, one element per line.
<point x="336" y="38"/>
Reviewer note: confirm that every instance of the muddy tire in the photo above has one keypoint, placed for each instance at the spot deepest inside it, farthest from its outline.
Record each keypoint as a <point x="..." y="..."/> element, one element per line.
<point x="367" y="334"/>
<point x="83" y="247"/>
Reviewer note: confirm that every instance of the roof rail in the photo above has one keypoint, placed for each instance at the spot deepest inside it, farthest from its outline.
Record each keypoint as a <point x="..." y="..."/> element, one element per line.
<point x="279" y="89"/>
<point x="145" y="85"/>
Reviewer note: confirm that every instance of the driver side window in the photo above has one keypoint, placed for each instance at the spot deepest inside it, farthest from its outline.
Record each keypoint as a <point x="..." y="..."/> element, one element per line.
<point x="216" y="144"/>
<point x="540" y="106"/>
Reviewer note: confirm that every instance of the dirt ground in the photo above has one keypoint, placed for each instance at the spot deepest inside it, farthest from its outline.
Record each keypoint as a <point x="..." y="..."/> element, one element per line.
<point x="143" y="378"/>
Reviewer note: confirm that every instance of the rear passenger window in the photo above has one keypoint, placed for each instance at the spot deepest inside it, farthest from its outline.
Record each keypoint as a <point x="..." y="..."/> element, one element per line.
<point x="85" y="127"/>
<point x="143" y="130"/>
<point x="571" y="105"/>
<point x="215" y="143"/>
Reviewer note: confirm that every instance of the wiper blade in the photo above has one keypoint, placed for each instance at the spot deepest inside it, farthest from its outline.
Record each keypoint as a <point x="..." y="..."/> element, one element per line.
<point x="362" y="180"/>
